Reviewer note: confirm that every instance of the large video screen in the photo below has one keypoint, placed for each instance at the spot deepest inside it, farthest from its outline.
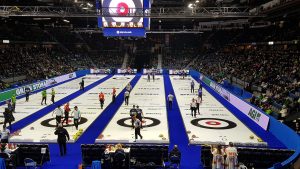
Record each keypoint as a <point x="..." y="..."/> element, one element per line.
<point x="118" y="13"/>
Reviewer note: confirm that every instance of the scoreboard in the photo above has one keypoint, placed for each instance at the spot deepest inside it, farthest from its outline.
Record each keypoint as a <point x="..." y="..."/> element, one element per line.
<point x="123" y="17"/>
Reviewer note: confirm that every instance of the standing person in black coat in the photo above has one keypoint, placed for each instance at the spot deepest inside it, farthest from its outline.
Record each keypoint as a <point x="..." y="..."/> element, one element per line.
<point x="62" y="135"/>
<point x="137" y="128"/>
<point x="82" y="84"/>
<point x="8" y="117"/>
<point x="27" y="93"/>
<point x="175" y="155"/>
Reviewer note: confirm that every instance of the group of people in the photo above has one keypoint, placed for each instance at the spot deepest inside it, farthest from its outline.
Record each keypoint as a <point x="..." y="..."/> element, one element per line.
<point x="220" y="162"/>
<point x="195" y="103"/>
<point x="149" y="76"/>
<point x="59" y="113"/>
<point x="136" y="115"/>
<point x="44" y="96"/>
<point x="9" y="111"/>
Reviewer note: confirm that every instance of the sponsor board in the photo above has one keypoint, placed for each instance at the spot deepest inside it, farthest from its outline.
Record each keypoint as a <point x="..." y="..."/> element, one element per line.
<point x="35" y="86"/>
<point x="156" y="71"/>
<point x="121" y="32"/>
<point x="32" y="87"/>
<point x="60" y="79"/>
<point x="250" y="111"/>
<point x="100" y="71"/>
<point x="128" y="71"/>
<point x="178" y="72"/>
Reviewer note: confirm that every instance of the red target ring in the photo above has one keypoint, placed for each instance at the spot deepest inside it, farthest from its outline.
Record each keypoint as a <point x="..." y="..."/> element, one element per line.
<point x="122" y="9"/>
<point x="213" y="123"/>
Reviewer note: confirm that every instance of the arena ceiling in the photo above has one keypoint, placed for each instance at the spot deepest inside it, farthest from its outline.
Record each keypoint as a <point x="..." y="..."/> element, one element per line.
<point x="156" y="23"/>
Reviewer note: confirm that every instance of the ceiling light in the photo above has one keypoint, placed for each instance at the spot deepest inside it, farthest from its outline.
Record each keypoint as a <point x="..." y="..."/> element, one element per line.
<point x="197" y="1"/>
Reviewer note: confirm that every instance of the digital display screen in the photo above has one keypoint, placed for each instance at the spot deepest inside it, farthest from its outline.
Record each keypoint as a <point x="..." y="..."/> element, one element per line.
<point x="118" y="13"/>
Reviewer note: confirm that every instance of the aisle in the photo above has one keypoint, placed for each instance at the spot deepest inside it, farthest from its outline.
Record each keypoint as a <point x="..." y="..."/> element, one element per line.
<point x="190" y="154"/>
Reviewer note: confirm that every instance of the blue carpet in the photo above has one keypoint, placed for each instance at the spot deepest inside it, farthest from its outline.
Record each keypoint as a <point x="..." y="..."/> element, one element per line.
<point x="96" y="128"/>
<point x="33" y="117"/>
<point x="190" y="155"/>
<point x="268" y="137"/>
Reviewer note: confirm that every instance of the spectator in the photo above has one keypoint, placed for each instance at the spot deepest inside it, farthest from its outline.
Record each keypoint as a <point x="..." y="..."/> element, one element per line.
<point x="4" y="135"/>
<point x="62" y="136"/>
<point x="218" y="157"/>
<point x="175" y="155"/>
<point x="231" y="156"/>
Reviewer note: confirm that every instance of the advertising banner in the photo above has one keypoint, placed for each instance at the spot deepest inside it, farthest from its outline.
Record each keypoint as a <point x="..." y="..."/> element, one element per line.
<point x="253" y="113"/>
<point x="7" y="94"/>
<point x="156" y="71"/>
<point x="128" y="71"/>
<point x="124" y="32"/>
<point x="178" y="72"/>
<point x="60" y="79"/>
<point x="100" y="71"/>
<point x="35" y="86"/>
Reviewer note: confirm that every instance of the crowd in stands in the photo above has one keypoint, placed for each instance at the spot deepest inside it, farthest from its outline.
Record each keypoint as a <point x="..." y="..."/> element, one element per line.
<point x="274" y="70"/>
<point x="107" y="59"/>
<point x="35" y="62"/>
<point x="178" y="59"/>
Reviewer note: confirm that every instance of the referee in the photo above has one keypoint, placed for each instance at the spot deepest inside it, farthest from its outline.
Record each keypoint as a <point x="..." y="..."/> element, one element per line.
<point x="126" y="96"/>
<point x="137" y="127"/>
<point x="170" y="99"/>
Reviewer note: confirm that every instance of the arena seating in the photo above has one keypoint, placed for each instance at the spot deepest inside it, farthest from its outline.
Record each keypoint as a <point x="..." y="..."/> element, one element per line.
<point x="141" y="156"/>
<point x="91" y="152"/>
<point x="34" y="152"/>
<point x="274" y="85"/>
<point x="10" y="161"/>
<point x="251" y="157"/>
<point x="148" y="156"/>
